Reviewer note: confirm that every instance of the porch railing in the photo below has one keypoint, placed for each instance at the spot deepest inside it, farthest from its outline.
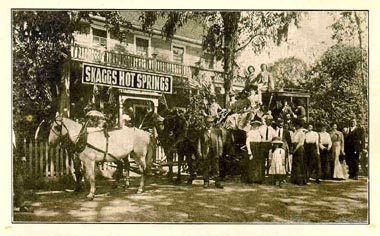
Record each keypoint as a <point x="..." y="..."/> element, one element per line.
<point x="129" y="61"/>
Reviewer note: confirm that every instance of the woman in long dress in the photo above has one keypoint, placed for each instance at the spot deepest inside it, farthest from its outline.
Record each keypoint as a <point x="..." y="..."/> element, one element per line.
<point x="340" y="171"/>
<point x="254" y="167"/>
<point x="298" y="169"/>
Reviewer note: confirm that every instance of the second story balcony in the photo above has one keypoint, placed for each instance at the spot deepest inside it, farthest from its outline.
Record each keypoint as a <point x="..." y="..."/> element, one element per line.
<point x="129" y="61"/>
<point x="149" y="64"/>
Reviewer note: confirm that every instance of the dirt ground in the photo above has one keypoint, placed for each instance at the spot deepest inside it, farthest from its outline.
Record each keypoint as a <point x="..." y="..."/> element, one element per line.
<point x="328" y="202"/>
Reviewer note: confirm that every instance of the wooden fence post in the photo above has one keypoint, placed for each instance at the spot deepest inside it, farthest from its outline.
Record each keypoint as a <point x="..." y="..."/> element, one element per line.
<point x="61" y="170"/>
<point x="36" y="163"/>
<point x="56" y="161"/>
<point x="67" y="161"/>
<point x="52" y="162"/>
<point x="47" y="173"/>
<point x="41" y="157"/>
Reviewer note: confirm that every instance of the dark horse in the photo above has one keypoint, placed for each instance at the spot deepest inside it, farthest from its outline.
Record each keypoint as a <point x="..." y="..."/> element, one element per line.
<point x="176" y="137"/>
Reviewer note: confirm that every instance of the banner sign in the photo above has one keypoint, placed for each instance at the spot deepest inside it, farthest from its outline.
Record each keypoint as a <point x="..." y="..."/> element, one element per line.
<point x="126" y="79"/>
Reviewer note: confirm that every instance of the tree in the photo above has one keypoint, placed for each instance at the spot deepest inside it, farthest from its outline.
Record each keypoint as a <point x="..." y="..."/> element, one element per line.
<point x="227" y="33"/>
<point x="289" y="72"/>
<point x="351" y="27"/>
<point x="41" y="60"/>
<point x="335" y="86"/>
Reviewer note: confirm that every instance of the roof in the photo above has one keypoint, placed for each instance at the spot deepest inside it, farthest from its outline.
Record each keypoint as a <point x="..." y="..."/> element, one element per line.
<point x="192" y="29"/>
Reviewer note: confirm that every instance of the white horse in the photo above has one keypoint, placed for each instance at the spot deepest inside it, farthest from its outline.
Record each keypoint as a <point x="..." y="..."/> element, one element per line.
<point x="120" y="143"/>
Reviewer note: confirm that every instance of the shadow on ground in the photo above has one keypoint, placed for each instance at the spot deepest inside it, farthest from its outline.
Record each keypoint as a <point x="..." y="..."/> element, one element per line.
<point x="328" y="202"/>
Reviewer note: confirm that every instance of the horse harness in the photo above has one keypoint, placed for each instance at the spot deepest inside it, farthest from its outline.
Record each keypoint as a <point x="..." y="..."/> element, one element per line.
<point x="81" y="141"/>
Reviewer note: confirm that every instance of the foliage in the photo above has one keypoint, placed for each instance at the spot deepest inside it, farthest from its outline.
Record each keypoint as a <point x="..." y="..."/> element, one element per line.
<point x="288" y="73"/>
<point x="227" y="33"/>
<point x="349" y="26"/>
<point x="41" y="46"/>
<point x="336" y="87"/>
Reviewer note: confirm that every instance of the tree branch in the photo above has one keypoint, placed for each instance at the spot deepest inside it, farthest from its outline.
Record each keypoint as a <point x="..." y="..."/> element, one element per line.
<point x="247" y="43"/>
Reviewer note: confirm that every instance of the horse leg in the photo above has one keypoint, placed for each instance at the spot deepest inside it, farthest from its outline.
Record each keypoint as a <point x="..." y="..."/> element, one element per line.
<point x="142" y="168"/>
<point x="77" y="171"/>
<point x="170" y="164"/>
<point x="118" y="173"/>
<point x="90" y="174"/>
<point x="126" y="167"/>
<point x="180" y="161"/>
<point x="190" y="163"/>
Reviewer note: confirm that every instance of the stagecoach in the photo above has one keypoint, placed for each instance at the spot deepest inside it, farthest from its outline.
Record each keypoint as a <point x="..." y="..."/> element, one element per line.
<point x="273" y="101"/>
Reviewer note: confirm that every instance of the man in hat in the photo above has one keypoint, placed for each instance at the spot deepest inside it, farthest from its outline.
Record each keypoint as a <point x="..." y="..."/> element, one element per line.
<point x="267" y="134"/>
<point x="354" y="144"/>
<point x="210" y="149"/>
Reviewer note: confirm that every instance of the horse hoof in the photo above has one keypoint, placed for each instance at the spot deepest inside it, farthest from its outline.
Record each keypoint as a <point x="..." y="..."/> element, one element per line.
<point x="90" y="197"/>
<point x="139" y="191"/>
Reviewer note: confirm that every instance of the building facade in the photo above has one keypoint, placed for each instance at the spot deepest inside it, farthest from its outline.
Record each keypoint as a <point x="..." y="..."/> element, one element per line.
<point x="135" y="73"/>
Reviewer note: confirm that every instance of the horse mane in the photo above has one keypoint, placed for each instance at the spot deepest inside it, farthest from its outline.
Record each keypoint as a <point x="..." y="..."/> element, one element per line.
<point x="73" y="128"/>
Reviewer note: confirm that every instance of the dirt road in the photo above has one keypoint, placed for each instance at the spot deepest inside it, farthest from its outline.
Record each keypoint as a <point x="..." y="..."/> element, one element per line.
<point x="328" y="202"/>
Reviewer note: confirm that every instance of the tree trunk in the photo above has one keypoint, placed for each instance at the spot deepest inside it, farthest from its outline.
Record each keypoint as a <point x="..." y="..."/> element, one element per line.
<point x="363" y="83"/>
<point x="231" y="36"/>
<point x="64" y="93"/>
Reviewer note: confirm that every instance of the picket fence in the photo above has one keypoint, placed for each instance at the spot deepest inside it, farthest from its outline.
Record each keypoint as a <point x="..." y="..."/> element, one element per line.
<point x="45" y="161"/>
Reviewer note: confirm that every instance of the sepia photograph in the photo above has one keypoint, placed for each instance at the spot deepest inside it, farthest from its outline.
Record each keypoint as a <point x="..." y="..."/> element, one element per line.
<point x="190" y="116"/>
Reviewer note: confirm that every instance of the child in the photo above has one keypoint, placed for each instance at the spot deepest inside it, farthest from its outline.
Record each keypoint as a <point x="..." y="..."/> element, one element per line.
<point x="277" y="162"/>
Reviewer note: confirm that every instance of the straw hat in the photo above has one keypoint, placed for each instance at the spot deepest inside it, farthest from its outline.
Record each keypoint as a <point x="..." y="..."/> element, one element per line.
<point x="256" y="121"/>
<point x="277" y="141"/>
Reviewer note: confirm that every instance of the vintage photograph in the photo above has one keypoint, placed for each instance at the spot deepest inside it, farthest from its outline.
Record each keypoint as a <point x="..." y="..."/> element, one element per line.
<point x="190" y="116"/>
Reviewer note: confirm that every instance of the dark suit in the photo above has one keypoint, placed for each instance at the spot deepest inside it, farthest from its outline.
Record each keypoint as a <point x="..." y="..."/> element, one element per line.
<point x="354" y="142"/>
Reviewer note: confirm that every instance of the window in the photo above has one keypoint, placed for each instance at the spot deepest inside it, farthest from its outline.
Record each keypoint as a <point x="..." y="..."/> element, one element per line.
<point x="99" y="37"/>
<point x="178" y="53"/>
<point x="142" y="47"/>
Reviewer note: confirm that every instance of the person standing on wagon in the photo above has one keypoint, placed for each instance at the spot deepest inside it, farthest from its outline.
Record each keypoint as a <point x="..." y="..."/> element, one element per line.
<point x="265" y="79"/>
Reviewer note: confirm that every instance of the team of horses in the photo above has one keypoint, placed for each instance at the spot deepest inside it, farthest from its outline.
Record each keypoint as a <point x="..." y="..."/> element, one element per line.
<point x="175" y="135"/>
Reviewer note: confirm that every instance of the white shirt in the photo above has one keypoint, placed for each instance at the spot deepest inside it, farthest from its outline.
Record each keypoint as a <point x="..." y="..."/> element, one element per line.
<point x="311" y="137"/>
<point x="252" y="136"/>
<point x="267" y="133"/>
<point x="325" y="139"/>
<point x="279" y="132"/>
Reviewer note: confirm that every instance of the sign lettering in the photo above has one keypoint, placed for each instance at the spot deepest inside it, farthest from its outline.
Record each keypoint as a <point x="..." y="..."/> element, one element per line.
<point x="123" y="78"/>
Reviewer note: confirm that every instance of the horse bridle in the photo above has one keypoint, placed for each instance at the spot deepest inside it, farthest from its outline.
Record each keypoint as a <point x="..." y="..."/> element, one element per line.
<point x="61" y="125"/>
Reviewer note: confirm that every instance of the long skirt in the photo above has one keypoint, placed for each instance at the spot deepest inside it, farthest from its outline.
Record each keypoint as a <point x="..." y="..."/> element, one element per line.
<point x="264" y="150"/>
<point x="298" y="167"/>
<point x="312" y="161"/>
<point x="340" y="171"/>
<point x="255" y="167"/>
<point x="327" y="164"/>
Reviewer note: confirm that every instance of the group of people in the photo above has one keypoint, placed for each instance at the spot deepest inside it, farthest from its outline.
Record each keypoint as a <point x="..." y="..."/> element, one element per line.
<point x="302" y="153"/>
